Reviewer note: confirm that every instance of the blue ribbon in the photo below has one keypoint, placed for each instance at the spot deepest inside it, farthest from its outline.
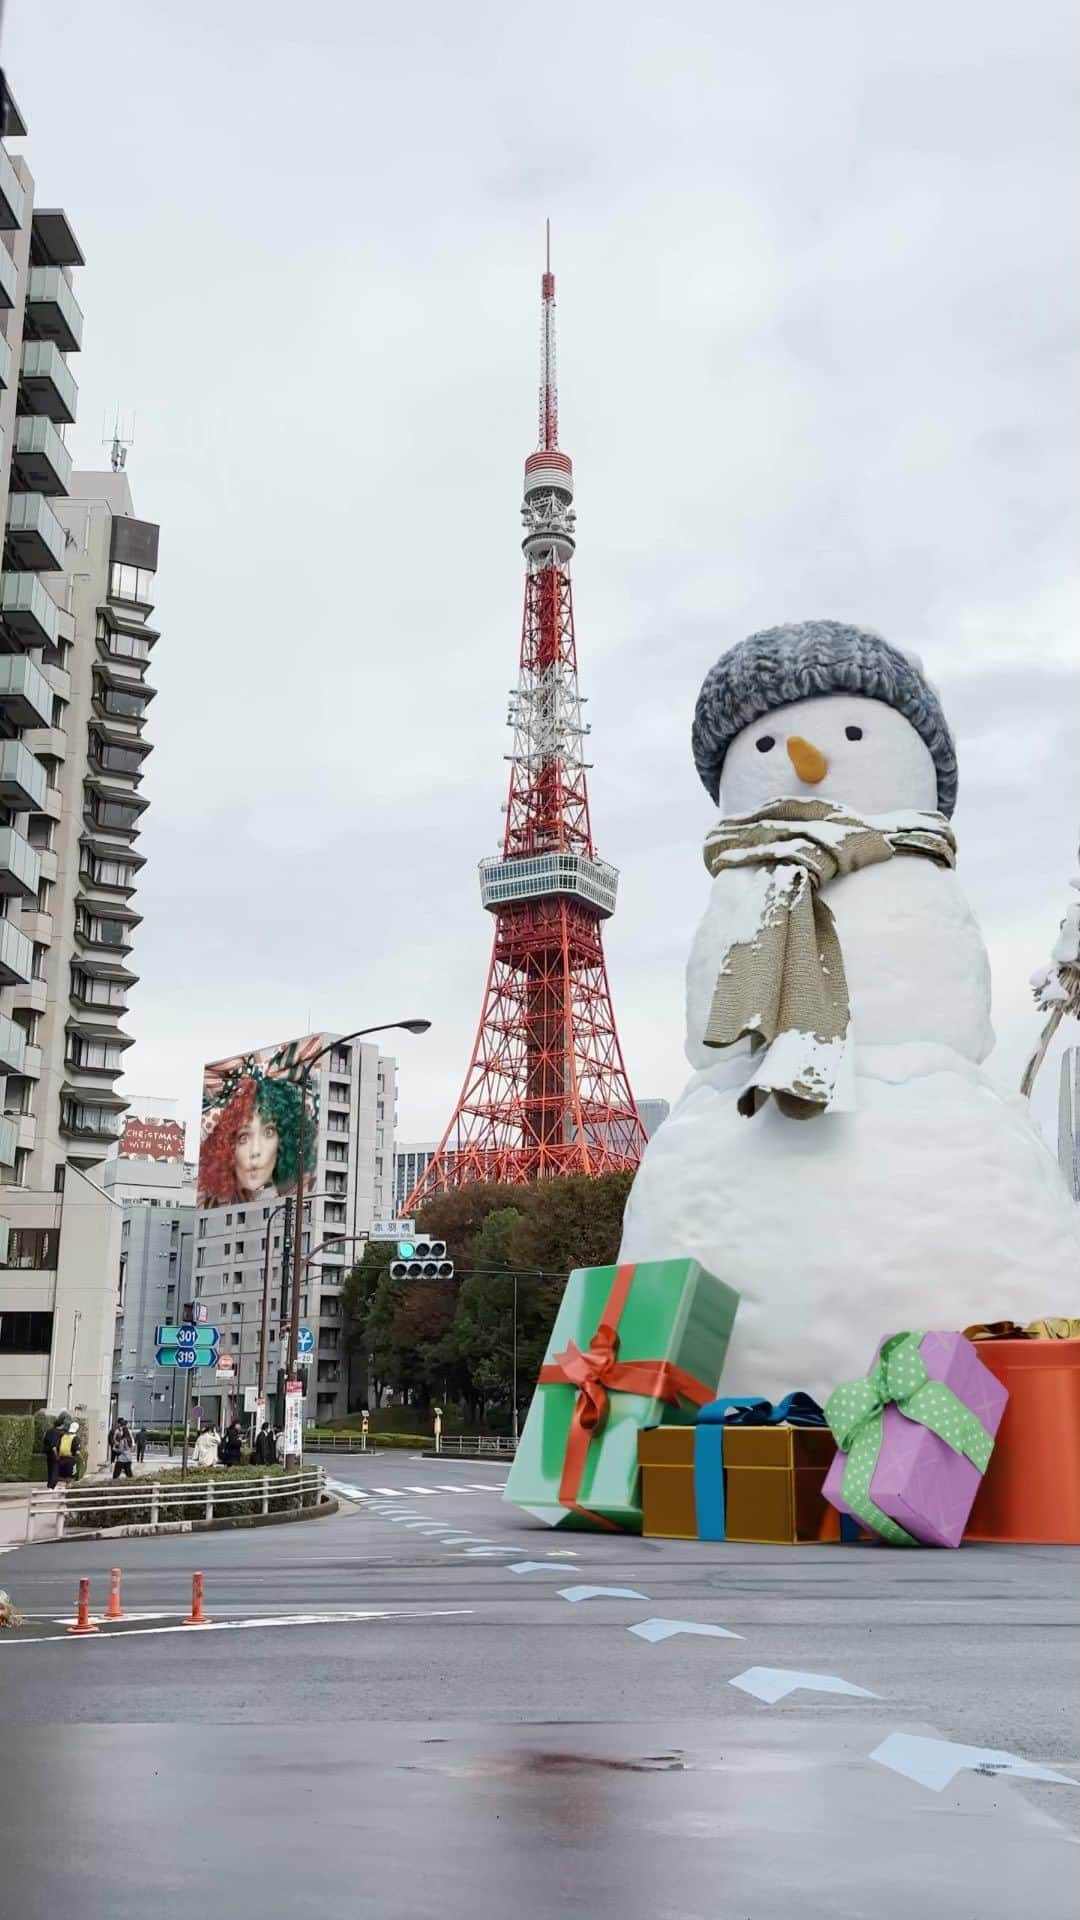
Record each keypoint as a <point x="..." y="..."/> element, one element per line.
<point x="748" y="1410"/>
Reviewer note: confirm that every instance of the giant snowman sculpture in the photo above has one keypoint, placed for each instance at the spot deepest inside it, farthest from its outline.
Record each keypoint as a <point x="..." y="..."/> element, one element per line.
<point x="839" y="1155"/>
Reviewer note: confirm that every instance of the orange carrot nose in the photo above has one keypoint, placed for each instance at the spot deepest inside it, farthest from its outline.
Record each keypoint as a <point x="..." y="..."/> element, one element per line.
<point x="808" y="761"/>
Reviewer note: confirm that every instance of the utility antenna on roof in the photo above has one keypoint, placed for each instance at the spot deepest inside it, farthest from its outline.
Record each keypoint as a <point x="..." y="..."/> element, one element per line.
<point x="118" y="442"/>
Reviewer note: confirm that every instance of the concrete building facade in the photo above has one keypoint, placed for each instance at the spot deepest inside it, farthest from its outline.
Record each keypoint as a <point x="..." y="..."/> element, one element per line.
<point x="157" y="1238"/>
<point x="352" y="1184"/>
<point x="411" y="1160"/>
<point x="75" y="599"/>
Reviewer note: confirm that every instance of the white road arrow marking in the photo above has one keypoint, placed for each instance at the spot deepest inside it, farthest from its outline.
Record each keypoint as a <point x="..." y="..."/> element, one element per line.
<point x="775" y="1683"/>
<point x="654" y="1630"/>
<point x="935" y="1763"/>
<point x="535" y="1566"/>
<point x="574" y="1594"/>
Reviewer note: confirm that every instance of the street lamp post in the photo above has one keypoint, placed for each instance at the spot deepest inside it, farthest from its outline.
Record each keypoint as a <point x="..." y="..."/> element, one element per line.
<point x="342" y="1040"/>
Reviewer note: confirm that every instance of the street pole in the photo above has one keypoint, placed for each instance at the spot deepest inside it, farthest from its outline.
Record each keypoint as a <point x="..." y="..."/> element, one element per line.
<point x="187" y="1409"/>
<point x="342" y="1040"/>
<point x="514" y="1412"/>
<point x="172" y="1409"/>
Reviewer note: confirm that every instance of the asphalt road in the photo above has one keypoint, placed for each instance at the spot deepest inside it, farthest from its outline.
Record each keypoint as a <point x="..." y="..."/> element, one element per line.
<point x="448" y="1736"/>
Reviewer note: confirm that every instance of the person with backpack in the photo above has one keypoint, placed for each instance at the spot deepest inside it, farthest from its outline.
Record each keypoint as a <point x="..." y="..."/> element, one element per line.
<point x="67" y="1452"/>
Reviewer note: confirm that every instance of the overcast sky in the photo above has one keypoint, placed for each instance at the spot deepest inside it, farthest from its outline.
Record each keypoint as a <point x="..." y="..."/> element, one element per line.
<point x="816" y="271"/>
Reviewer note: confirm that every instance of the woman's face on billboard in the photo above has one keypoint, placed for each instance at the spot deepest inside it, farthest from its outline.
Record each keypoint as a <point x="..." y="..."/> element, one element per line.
<point x="256" y="1154"/>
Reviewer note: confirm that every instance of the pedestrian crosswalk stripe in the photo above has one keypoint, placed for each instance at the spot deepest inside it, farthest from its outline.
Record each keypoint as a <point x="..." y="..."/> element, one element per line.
<point x="390" y="1493"/>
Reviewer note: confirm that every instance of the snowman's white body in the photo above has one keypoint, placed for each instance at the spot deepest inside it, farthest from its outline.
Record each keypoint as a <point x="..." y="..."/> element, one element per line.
<point x="934" y="1202"/>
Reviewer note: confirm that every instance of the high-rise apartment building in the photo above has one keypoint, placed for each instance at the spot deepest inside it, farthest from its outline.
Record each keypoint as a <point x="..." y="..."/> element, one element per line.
<point x="349" y="1183"/>
<point x="75" y="600"/>
<point x="653" y="1113"/>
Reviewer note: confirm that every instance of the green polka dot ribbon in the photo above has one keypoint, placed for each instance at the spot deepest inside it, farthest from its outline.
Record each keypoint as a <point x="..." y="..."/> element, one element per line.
<point x="855" y="1411"/>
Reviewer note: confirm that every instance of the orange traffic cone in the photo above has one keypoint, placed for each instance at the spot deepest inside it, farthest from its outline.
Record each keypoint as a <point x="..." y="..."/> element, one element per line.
<point x="196" y="1618"/>
<point x="83" y="1622"/>
<point x="113" y="1609"/>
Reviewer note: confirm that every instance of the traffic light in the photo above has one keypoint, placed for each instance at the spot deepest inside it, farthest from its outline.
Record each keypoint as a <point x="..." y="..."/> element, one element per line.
<point x="421" y="1260"/>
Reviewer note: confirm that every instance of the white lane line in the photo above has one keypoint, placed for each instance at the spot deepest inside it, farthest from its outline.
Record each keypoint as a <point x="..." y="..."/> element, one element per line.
<point x="456" y="1540"/>
<point x="234" y="1626"/>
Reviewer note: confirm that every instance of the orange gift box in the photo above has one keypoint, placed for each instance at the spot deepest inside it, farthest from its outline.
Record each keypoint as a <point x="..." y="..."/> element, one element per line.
<point x="1030" y="1494"/>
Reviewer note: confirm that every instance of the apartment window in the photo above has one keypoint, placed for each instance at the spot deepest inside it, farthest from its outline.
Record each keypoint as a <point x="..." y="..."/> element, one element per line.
<point x="200" y="1254"/>
<point x="227" y="1248"/>
<point x="108" y="873"/>
<point x="95" y="1055"/>
<point x="202" y="1229"/>
<point x="238" y="1306"/>
<point x="273" y="1304"/>
<point x="131" y="583"/>
<point x="35" y="1247"/>
<point x="239" y="1245"/>
<point x="127" y="646"/>
<point x="228" y="1219"/>
<point x="97" y="993"/>
<point x="235" y="1338"/>
<point x="78" y="1116"/>
<point x="241" y="1218"/>
<point x="339" y="1093"/>
<point x="277" y="1243"/>
<point x="119" y="816"/>
<point x="113" y="757"/>
<point x="337" y="1153"/>
<point x="25" y="1332"/>
<point x="103" y="932"/>
<point x="131" y="705"/>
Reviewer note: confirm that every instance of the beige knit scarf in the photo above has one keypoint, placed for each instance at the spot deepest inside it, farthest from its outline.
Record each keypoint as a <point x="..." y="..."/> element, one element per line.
<point x="781" y="981"/>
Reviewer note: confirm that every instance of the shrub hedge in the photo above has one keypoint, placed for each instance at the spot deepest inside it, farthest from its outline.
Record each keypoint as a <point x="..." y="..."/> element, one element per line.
<point x="137" y="1510"/>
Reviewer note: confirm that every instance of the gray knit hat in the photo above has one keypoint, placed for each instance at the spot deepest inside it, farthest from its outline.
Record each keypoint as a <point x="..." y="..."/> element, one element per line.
<point x="783" y="664"/>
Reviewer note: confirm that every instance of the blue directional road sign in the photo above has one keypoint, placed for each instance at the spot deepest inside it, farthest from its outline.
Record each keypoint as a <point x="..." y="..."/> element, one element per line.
<point x="186" y="1356"/>
<point x="305" y="1341"/>
<point x="185" y="1336"/>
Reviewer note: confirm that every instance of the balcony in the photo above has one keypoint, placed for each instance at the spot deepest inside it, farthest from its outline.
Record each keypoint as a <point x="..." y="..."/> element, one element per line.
<point x="30" y="996"/>
<point x="35" y="539"/>
<point x="103" y="933"/>
<point x="52" y="311"/>
<point x="9" y="1139"/>
<point x="101" y="1059"/>
<point x="25" y="695"/>
<point x="46" y="383"/>
<point x="49" y="861"/>
<point x="9" y="280"/>
<point x="5" y="363"/>
<point x="49" y="743"/>
<point x="53" y="804"/>
<point x="37" y="926"/>
<point x="16" y="958"/>
<point x="89" y="1120"/>
<point x="28" y="613"/>
<point x="40" y="462"/>
<point x="23" y="784"/>
<point x="13" y="1047"/>
<point x="31" y="1065"/>
<point x="52" y="242"/>
<point x="20" y="865"/>
<point x="12" y="197"/>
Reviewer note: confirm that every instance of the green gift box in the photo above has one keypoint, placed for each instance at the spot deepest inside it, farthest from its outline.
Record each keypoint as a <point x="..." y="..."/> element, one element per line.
<point x="632" y="1347"/>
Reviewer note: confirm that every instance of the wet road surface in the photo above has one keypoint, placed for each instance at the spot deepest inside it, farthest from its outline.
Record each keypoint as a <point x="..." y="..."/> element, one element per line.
<point x="440" y="1734"/>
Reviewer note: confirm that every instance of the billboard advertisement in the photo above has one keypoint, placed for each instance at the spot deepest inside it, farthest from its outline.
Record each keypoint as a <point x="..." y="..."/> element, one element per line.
<point x="249" y="1145"/>
<point x="146" y="1139"/>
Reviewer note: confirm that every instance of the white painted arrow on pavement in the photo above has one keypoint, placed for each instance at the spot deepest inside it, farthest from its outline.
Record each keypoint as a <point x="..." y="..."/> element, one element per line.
<point x="935" y="1763"/>
<point x="536" y="1566"/>
<point x="574" y="1594"/>
<point x="654" y="1630"/>
<point x="775" y="1683"/>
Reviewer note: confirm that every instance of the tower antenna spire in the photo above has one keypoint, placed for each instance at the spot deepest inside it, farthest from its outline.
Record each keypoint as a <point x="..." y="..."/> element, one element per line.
<point x="549" y="393"/>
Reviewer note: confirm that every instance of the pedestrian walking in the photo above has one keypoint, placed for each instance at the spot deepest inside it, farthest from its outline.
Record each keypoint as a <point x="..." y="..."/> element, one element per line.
<point x="68" y="1452"/>
<point x="123" y="1450"/>
<point x="141" y="1439"/>
<point x="232" y="1446"/>
<point x="51" y="1444"/>
<point x="206" y="1448"/>
<point x="266" y="1447"/>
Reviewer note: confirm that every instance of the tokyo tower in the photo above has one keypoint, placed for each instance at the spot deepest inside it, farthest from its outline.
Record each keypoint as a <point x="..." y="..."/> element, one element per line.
<point x="546" y="1093"/>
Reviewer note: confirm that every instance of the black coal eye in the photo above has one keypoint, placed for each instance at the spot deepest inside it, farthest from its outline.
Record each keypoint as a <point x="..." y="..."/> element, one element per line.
<point x="765" y="743"/>
<point x="853" y="733"/>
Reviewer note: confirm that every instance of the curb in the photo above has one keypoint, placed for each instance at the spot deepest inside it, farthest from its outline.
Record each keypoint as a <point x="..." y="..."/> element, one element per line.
<point x="326" y="1507"/>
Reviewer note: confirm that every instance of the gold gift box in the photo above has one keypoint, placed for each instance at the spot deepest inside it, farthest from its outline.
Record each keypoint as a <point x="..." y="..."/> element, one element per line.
<point x="773" y="1476"/>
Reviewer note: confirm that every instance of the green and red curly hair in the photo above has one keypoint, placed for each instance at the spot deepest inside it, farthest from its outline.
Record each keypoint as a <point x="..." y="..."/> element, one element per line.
<point x="277" y="1102"/>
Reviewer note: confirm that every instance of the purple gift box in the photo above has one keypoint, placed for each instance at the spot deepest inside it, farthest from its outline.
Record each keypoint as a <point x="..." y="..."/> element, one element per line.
<point x="919" y="1481"/>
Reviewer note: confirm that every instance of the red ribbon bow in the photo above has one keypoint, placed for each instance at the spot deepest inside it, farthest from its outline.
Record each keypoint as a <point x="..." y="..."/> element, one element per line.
<point x="598" y="1371"/>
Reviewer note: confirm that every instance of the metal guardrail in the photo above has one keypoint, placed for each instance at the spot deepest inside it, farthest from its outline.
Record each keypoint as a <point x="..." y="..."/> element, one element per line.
<point x="166" y="1503"/>
<point x="461" y="1443"/>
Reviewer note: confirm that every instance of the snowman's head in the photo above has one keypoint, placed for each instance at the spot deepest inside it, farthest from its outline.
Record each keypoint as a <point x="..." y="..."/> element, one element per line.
<point x="826" y="710"/>
<point x="840" y="747"/>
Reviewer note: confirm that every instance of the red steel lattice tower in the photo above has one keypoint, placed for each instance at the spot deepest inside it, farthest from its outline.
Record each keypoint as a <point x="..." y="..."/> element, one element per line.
<point x="546" y="1093"/>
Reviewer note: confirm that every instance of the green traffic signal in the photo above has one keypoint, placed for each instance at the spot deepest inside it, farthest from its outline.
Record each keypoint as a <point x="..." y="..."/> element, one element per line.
<point x="406" y="1250"/>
